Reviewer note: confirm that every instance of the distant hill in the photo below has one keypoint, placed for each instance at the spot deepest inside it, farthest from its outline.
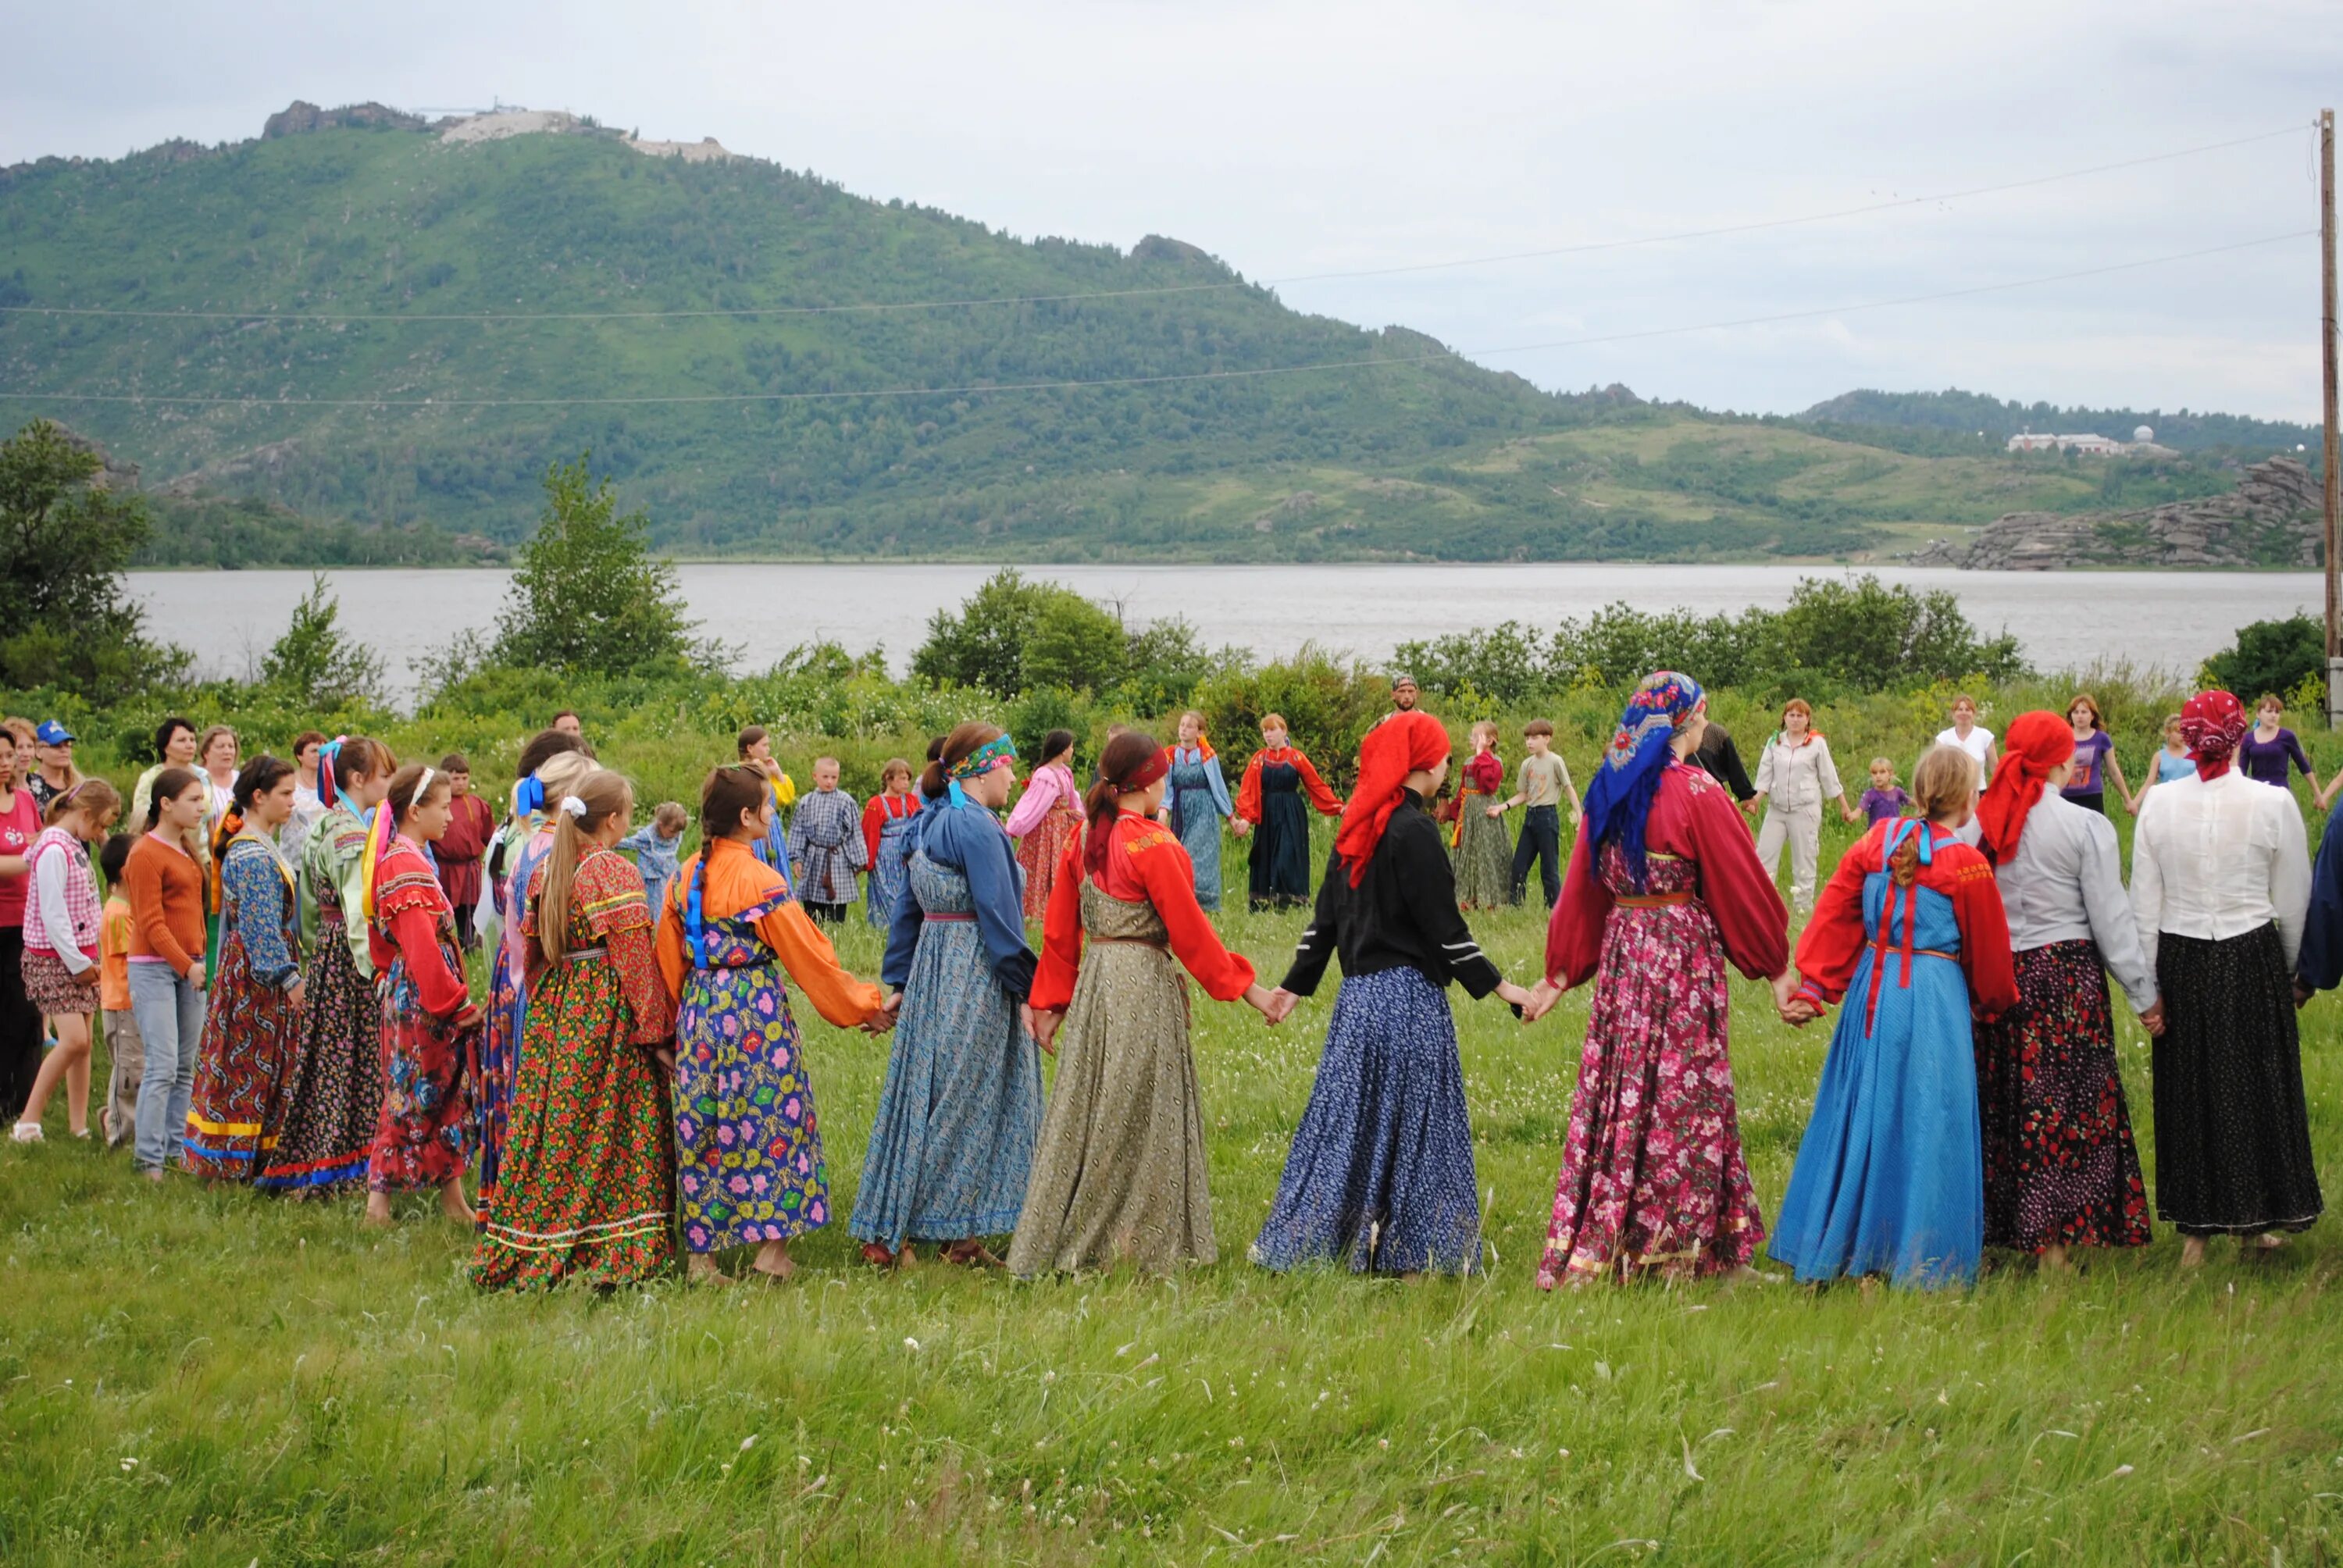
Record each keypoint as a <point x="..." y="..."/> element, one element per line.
<point x="396" y="226"/>
<point x="1971" y="416"/>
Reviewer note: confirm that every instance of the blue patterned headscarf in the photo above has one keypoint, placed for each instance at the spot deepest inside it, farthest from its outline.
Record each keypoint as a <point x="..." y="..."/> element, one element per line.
<point x="1619" y="798"/>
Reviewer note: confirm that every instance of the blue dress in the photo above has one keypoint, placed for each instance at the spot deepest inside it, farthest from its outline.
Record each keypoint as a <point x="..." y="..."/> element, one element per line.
<point x="1890" y="1175"/>
<point x="961" y="1111"/>
<point x="885" y="883"/>
<point x="1197" y="799"/>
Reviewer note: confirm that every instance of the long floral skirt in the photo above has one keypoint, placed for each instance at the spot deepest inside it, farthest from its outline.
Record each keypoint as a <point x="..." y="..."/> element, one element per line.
<point x="1040" y="852"/>
<point x="2060" y="1167"/>
<point x="953" y="1144"/>
<point x="1652" y="1172"/>
<point x="1380" y="1178"/>
<point x="249" y="1031"/>
<point x="2232" y="1131"/>
<point x="330" y="1100"/>
<point x="1121" y="1171"/>
<point x="589" y="1190"/>
<point x="748" y="1143"/>
<point x="1483" y="855"/>
<point x="420" y="1141"/>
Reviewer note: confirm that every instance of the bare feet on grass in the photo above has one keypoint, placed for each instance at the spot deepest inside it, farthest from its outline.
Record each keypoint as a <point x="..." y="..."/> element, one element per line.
<point x="2054" y="1260"/>
<point x="2192" y="1252"/>
<point x="452" y="1203"/>
<point x="701" y="1269"/>
<point x="773" y="1260"/>
<point x="377" y="1212"/>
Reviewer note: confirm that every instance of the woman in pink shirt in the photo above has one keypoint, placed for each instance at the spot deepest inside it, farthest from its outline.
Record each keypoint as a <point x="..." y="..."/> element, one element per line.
<point x="1046" y="820"/>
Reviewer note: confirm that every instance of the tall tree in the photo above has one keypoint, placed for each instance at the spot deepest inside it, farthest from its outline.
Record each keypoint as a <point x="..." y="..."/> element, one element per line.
<point x="588" y="598"/>
<point x="65" y="537"/>
<point x="316" y="660"/>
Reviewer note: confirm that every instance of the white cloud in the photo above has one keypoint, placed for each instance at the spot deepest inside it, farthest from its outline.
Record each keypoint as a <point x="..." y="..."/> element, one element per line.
<point x="1298" y="137"/>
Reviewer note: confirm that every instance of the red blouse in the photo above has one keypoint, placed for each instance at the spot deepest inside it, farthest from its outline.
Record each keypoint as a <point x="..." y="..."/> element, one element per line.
<point x="1483" y="772"/>
<point x="409" y="908"/>
<point x="1836" y="937"/>
<point x="1248" y="792"/>
<point x="877" y="812"/>
<point x="1692" y="818"/>
<point x="1146" y="865"/>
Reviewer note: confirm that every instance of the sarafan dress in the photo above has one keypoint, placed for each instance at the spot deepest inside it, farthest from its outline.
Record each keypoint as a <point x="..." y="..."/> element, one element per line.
<point x="951" y="1144"/>
<point x="250" y="1025"/>
<point x="1121" y="1172"/>
<point x="748" y="1142"/>
<point x="887" y="824"/>
<point x="420" y="1140"/>
<point x="1270" y="796"/>
<point x="528" y="841"/>
<point x="1483" y="848"/>
<point x="588" y="1187"/>
<point x="1890" y="1176"/>
<point x="1654" y="1175"/>
<point x="330" y="1098"/>
<point x="1197" y="799"/>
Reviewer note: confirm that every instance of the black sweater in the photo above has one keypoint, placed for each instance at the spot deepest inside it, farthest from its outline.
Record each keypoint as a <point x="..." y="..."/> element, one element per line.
<point x="1721" y="761"/>
<point x="1402" y="913"/>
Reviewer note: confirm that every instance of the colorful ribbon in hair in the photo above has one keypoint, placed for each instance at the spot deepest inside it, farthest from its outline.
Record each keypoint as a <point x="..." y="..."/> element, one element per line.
<point x="976" y="764"/>
<point x="528" y="796"/>
<point x="329" y="792"/>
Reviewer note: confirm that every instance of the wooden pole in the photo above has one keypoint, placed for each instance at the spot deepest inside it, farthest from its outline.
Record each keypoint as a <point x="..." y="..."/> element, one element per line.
<point x="2332" y="453"/>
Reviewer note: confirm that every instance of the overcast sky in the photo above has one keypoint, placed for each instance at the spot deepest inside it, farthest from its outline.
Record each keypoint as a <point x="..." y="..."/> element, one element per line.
<point x="1294" y="138"/>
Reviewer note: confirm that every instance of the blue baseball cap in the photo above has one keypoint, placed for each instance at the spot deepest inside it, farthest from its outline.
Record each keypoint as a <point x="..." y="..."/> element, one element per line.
<point x="52" y="733"/>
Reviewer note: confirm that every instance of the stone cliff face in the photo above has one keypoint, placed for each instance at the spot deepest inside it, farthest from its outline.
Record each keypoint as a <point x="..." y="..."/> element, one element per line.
<point x="2271" y="519"/>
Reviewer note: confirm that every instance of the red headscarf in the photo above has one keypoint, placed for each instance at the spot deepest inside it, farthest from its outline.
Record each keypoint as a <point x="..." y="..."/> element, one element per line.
<point x="2213" y="722"/>
<point x="2034" y="744"/>
<point x="1098" y="836"/>
<point x="1404" y="743"/>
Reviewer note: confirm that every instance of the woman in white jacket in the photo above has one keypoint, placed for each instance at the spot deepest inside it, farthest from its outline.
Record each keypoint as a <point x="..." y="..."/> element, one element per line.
<point x="1796" y="779"/>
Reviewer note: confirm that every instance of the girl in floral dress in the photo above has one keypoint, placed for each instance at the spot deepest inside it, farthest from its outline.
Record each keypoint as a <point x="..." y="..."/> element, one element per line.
<point x="1484" y="850"/>
<point x="1662" y="889"/>
<point x="551" y="762"/>
<point x="431" y="1025"/>
<point x="331" y="1094"/>
<point x="1048" y="816"/>
<point x="252" y="1020"/>
<point x="748" y="1143"/>
<point x="589" y="1190"/>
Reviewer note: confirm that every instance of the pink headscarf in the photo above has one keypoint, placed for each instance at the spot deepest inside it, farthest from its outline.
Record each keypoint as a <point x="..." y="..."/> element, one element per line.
<point x="2213" y="722"/>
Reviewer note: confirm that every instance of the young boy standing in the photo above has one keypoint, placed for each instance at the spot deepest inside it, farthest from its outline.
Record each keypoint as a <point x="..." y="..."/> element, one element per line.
<point x="1544" y="779"/>
<point x="826" y="844"/>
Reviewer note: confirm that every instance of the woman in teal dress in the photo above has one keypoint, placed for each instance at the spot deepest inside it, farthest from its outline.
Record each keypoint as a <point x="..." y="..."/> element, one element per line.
<point x="952" y="1142"/>
<point x="1195" y="802"/>
<point x="1890" y="1176"/>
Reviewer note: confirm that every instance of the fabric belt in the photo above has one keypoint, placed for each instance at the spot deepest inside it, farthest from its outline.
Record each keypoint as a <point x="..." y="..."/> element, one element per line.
<point x="1651" y="900"/>
<point x="949" y="917"/>
<point x="585" y="955"/>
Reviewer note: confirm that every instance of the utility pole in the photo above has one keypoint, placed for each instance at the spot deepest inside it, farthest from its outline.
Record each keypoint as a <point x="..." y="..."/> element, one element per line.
<point x="2332" y="452"/>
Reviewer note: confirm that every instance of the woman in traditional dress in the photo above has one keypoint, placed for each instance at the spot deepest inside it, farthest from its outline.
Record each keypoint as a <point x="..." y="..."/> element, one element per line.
<point x="1662" y="889"/>
<point x="431" y="1025"/>
<point x="252" y="1020"/>
<point x="1048" y="814"/>
<point x="887" y="832"/>
<point x="1380" y="1178"/>
<point x="330" y="1099"/>
<point x="952" y="1142"/>
<point x="61" y="966"/>
<point x="552" y="762"/>
<point x="588" y="1189"/>
<point x="2220" y="883"/>
<point x="1889" y="1178"/>
<point x="1269" y="810"/>
<point x="1121" y="1171"/>
<point x="1196" y="799"/>
<point x="1484" y="850"/>
<point x="748" y="1142"/>
<point x="2060" y="1167"/>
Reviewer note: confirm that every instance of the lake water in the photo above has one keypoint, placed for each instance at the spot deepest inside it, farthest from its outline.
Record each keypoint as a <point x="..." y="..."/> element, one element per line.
<point x="2064" y="620"/>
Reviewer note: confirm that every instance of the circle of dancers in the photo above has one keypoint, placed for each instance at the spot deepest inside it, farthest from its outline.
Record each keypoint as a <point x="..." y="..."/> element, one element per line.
<point x="280" y="970"/>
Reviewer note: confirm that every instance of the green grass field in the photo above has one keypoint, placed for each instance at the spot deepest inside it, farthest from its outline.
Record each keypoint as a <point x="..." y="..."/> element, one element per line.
<point x="205" y="1376"/>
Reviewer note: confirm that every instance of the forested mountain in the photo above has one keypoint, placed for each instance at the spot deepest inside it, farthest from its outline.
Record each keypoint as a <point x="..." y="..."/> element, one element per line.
<point x="344" y="258"/>
<point x="1971" y="416"/>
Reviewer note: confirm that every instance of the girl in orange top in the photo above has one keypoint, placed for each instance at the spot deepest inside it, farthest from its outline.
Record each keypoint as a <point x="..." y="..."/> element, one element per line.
<point x="166" y="887"/>
<point x="1119" y="1172"/>
<point x="747" y="1144"/>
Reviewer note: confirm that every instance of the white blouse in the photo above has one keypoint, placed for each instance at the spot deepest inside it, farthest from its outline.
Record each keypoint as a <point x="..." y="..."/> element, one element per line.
<point x="2215" y="859"/>
<point x="1797" y="777"/>
<point x="2065" y="884"/>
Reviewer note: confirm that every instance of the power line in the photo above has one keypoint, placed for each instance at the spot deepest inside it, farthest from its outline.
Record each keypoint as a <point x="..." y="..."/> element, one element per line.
<point x="1166" y="379"/>
<point x="881" y="307"/>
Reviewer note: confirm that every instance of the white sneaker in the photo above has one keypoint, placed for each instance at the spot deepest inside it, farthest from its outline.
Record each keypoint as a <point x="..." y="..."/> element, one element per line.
<point x="25" y="1133"/>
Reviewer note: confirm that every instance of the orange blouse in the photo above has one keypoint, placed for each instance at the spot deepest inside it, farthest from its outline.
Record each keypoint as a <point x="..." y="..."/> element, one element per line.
<point x="737" y="880"/>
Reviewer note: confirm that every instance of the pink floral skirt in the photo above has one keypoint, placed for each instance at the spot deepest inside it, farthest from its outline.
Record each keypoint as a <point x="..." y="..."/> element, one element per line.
<point x="1653" y="1173"/>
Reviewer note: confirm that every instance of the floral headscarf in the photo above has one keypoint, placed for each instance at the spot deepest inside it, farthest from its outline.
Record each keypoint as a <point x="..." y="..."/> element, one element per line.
<point x="2213" y="722"/>
<point x="1619" y="798"/>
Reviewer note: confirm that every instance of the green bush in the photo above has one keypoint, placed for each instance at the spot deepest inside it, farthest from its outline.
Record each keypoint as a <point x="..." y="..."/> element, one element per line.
<point x="2279" y="656"/>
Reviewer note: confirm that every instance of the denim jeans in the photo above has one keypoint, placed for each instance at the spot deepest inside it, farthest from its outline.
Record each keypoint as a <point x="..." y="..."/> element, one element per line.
<point x="1540" y="842"/>
<point x="170" y="1013"/>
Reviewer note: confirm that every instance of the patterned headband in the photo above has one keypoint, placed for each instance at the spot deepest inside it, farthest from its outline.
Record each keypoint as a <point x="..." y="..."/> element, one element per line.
<point x="987" y="757"/>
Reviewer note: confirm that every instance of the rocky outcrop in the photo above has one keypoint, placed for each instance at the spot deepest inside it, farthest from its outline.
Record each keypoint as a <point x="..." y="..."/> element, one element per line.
<point x="239" y="471"/>
<point x="300" y="117"/>
<point x="2271" y="519"/>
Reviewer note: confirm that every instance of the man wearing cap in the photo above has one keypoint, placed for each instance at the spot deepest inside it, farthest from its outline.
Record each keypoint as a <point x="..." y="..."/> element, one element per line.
<point x="52" y="746"/>
<point x="1404" y="697"/>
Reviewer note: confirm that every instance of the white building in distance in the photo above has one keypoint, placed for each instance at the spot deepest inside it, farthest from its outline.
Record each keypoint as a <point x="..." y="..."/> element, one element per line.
<point x="2143" y="443"/>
